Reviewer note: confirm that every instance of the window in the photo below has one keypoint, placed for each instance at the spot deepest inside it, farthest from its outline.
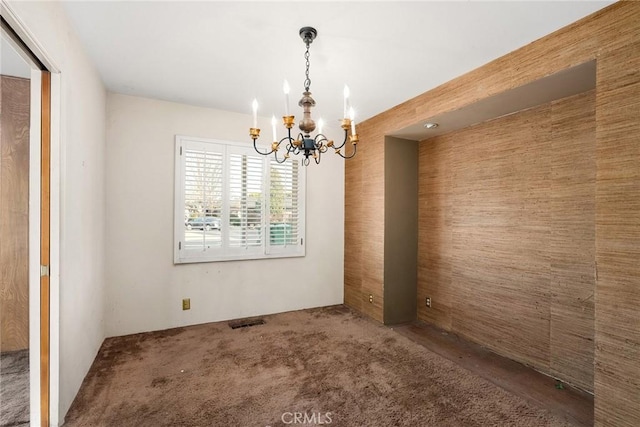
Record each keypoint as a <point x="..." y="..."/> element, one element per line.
<point x="232" y="203"/>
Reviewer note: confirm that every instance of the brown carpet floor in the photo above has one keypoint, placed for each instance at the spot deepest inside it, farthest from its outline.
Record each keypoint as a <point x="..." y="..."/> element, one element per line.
<point x="329" y="365"/>
<point x="14" y="388"/>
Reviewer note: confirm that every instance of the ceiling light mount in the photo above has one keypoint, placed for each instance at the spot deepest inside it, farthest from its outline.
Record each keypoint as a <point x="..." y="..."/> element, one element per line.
<point x="430" y="125"/>
<point x="308" y="34"/>
<point x="310" y="147"/>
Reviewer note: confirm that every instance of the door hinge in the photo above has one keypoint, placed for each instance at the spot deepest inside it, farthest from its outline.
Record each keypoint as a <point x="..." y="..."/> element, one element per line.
<point x="44" y="271"/>
<point x="301" y="241"/>
<point x="181" y="151"/>
<point x="179" y="245"/>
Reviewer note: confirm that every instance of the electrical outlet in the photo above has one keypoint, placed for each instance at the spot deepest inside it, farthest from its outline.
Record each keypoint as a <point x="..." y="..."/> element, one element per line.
<point x="428" y="302"/>
<point x="371" y="298"/>
<point x="186" y="304"/>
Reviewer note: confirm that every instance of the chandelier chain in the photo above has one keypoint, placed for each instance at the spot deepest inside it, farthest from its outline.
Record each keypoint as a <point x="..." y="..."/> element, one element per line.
<point x="307" y="81"/>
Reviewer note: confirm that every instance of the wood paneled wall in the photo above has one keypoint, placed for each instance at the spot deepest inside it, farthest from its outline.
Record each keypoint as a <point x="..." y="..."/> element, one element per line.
<point x="617" y="376"/>
<point x="14" y="213"/>
<point x="572" y="241"/>
<point x="611" y="37"/>
<point x="364" y="231"/>
<point x="507" y="235"/>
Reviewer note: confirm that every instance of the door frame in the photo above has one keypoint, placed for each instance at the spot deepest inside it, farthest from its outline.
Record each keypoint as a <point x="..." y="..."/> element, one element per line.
<point x="45" y="242"/>
<point x="44" y="218"/>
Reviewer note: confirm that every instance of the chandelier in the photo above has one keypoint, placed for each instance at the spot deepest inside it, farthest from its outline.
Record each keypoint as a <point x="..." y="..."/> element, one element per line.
<point x="310" y="147"/>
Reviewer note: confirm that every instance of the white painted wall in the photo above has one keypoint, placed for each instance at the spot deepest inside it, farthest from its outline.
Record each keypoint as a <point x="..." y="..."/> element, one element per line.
<point x="145" y="288"/>
<point x="81" y="155"/>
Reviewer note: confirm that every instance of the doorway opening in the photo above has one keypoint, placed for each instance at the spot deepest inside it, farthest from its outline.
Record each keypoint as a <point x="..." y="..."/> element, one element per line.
<point x="25" y="138"/>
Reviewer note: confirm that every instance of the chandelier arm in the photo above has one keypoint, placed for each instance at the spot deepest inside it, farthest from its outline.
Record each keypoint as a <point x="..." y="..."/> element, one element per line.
<point x="284" y="159"/>
<point x="355" y="148"/>
<point x="255" y="147"/>
<point x="321" y="143"/>
<point x="286" y="138"/>
<point x="292" y="148"/>
<point x="301" y="139"/>
<point x="318" y="141"/>
<point x="346" y="137"/>
<point x="275" y="156"/>
<point x="289" y="139"/>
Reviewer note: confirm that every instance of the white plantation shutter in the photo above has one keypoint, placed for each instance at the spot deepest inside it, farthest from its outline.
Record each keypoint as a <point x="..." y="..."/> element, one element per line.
<point x="284" y="212"/>
<point x="246" y="194"/>
<point x="232" y="203"/>
<point x="203" y="195"/>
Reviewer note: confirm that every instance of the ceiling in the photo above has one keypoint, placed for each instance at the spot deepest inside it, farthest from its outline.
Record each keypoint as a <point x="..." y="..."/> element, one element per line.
<point x="572" y="81"/>
<point x="223" y="54"/>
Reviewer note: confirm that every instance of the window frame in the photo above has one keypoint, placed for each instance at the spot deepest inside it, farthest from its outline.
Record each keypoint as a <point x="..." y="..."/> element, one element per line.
<point x="226" y="253"/>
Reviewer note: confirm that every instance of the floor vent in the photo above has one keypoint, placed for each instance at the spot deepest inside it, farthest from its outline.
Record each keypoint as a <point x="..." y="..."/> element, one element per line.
<point x="244" y="323"/>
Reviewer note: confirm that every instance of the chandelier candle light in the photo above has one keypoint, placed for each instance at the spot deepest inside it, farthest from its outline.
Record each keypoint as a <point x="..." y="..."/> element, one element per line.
<point x="304" y="143"/>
